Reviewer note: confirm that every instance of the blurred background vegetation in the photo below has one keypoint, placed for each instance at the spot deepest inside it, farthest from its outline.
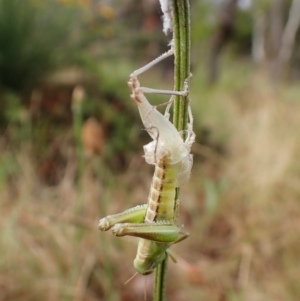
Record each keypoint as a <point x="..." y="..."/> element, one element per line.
<point x="71" y="149"/>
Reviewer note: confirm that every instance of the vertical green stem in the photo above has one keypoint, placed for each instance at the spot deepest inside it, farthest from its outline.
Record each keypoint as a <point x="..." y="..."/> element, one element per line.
<point x="160" y="280"/>
<point x="181" y="13"/>
<point x="181" y="34"/>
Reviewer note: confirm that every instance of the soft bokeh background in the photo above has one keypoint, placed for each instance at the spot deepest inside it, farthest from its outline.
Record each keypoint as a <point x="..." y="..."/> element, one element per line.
<point x="71" y="149"/>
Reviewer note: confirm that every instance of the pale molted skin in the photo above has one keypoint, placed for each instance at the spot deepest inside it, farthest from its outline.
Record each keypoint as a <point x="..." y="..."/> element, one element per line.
<point x="167" y="140"/>
<point x="167" y="16"/>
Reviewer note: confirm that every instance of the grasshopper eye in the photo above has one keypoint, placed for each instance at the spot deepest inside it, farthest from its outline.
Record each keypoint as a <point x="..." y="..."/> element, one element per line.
<point x="148" y="272"/>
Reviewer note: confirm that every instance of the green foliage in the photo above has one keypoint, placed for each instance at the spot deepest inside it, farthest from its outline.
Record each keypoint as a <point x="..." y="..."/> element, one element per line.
<point x="13" y="108"/>
<point x="16" y="117"/>
<point x="110" y="103"/>
<point x="261" y="5"/>
<point x="31" y="37"/>
<point x="242" y="39"/>
<point x="8" y="167"/>
<point x="203" y="16"/>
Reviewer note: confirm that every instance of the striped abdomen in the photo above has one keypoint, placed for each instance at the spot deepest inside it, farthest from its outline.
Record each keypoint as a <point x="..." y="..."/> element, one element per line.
<point x="161" y="200"/>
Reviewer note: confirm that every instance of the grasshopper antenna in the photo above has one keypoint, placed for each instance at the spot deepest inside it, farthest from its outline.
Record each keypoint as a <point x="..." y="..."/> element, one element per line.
<point x="131" y="278"/>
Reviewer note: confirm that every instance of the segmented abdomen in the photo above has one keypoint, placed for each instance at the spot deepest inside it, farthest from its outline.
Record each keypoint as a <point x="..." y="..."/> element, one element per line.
<point x="161" y="200"/>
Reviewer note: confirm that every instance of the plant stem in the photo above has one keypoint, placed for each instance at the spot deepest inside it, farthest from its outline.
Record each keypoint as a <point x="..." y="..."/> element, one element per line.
<point x="160" y="280"/>
<point x="181" y="13"/>
<point x="181" y="34"/>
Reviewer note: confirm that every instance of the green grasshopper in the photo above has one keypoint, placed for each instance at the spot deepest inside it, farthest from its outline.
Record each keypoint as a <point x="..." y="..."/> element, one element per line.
<point x="155" y="222"/>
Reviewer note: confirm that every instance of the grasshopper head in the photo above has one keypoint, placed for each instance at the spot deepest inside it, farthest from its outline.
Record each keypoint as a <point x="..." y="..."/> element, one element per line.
<point x="146" y="266"/>
<point x="143" y="268"/>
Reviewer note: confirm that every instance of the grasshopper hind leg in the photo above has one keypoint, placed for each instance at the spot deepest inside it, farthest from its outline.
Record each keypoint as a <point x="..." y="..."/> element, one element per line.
<point x="132" y="215"/>
<point x="163" y="232"/>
